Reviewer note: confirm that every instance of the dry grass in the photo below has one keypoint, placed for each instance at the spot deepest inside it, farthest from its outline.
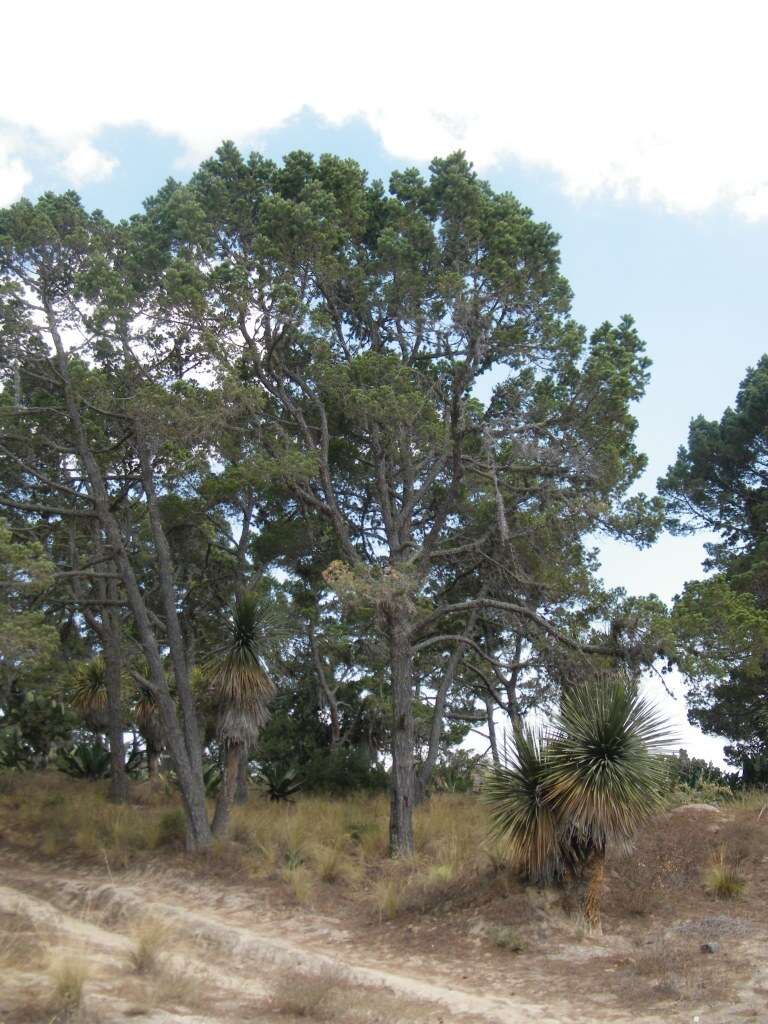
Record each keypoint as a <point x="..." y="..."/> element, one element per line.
<point x="330" y="996"/>
<point x="150" y="938"/>
<point x="723" y="878"/>
<point x="20" y="946"/>
<point x="68" y="975"/>
<point x="308" y="996"/>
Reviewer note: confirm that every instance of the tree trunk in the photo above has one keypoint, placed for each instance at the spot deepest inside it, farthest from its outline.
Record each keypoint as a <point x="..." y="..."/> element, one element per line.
<point x="436" y="731"/>
<point x="180" y="743"/>
<point x="113" y="671"/>
<point x="403" y="772"/>
<point x="232" y="755"/>
<point x="593" y="877"/>
<point x="241" y="791"/>
<point x="490" y="707"/>
<point x="153" y="761"/>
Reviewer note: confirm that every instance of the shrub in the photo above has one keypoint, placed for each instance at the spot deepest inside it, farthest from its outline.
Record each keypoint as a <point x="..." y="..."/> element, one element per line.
<point x="172" y="828"/>
<point x="84" y="761"/>
<point x="505" y="937"/>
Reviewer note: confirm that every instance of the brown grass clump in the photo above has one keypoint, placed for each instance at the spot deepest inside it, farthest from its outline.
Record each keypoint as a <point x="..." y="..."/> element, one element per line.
<point x="723" y="879"/>
<point x="307" y="996"/>
<point x="68" y="975"/>
<point x="329" y="996"/>
<point x="150" y="939"/>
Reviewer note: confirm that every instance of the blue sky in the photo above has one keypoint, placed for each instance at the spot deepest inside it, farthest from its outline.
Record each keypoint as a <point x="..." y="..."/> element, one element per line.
<point x="632" y="129"/>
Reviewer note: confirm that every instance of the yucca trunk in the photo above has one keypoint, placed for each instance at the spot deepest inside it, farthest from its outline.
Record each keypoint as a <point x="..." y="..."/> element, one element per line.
<point x="241" y="790"/>
<point x="230" y="772"/>
<point x="592" y="882"/>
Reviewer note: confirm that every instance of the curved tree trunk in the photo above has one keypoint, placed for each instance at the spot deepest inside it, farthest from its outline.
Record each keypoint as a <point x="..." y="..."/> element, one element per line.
<point x="182" y="738"/>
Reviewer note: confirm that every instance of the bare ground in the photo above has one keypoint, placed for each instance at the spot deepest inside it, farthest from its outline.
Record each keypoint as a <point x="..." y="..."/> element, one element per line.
<point x="239" y="952"/>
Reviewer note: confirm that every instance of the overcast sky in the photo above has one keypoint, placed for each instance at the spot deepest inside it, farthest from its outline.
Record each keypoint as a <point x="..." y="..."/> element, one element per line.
<point x="636" y="129"/>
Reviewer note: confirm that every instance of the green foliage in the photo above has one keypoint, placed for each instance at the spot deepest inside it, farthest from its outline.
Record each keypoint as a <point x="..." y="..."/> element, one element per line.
<point x="25" y="571"/>
<point x="718" y="484"/>
<point x="241" y="686"/>
<point x="211" y="778"/>
<point x="279" y="783"/>
<point x="455" y="771"/>
<point x="694" y="772"/>
<point x="589" y="781"/>
<point x="84" y="761"/>
<point x="33" y="724"/>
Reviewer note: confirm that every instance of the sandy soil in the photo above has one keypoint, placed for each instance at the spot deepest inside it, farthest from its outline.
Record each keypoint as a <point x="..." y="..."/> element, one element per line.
<point x="229" y="948"/>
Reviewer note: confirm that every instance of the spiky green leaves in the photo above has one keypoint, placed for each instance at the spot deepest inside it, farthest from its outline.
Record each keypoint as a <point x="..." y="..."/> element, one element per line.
<point x="241" y="685"/>
<point x="520" y="811"/>
<point x="89" y="687"/>
<point x="590" y="780"/>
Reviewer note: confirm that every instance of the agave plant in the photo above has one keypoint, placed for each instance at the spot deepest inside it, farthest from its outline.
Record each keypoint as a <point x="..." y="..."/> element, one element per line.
<point x="242" y="690"/>
<point x="590" y="781"/>
<point x="279" y="783"/>
<point x="84" y="761"/>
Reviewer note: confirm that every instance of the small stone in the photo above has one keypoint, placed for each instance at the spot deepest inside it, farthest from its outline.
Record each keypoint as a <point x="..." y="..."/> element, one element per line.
<point x="710" y="947"/>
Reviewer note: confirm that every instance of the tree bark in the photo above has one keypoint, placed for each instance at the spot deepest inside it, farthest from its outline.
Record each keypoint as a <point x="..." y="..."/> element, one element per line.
<point x="403" y="773"/>
<point x="226" y="798"/>
<point x="593" y="878"/>
<point x="189" y="769"/>
<point x="241" y="791"/>
<point x="489" y="709"/>
<point x="113" y="671"/>
<point x="436" y="731"/>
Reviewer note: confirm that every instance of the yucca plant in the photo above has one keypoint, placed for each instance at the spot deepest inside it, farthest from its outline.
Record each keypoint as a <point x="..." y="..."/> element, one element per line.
<point x="146" y="715"/>
<point x="521" y="814"/>
<point x="88" y="694"/>
<point x="242" y="690"/>
<point x="591" y="780"/>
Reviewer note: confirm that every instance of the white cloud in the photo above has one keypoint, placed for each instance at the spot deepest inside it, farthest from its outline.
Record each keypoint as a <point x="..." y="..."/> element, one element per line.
<point x="85" y="163"/>
<point x="662" y="101"/>
<point x="14" y="176"/>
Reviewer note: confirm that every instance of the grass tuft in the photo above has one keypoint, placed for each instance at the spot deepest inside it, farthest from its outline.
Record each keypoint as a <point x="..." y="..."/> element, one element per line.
<point x="68" y="975"/>
<point x="150" y="938"/>
<point x="723" y="878"/>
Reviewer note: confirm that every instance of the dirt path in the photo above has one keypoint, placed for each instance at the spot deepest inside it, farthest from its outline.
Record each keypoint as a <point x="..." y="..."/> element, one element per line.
<point x="237" y="948"/>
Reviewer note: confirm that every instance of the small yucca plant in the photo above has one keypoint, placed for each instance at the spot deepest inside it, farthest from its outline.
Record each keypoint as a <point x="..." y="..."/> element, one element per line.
<point x="590" y="781"/>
